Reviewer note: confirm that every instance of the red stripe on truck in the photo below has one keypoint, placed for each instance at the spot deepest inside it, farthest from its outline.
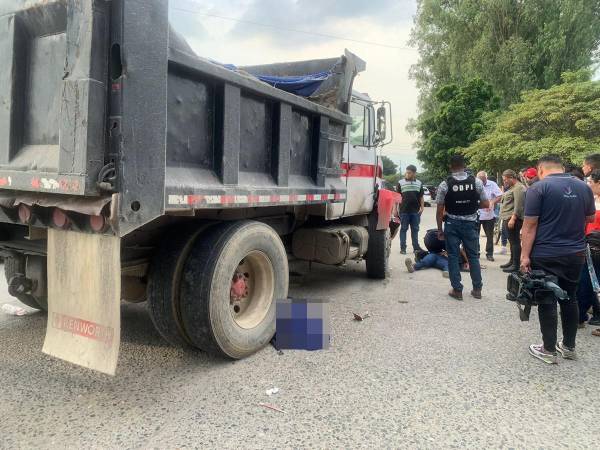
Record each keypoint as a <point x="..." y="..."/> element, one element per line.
<point x="352" y="170"/>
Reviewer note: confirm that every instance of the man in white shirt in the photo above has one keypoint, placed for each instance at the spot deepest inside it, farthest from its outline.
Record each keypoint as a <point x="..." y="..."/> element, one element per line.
<point x="487" y="218"/>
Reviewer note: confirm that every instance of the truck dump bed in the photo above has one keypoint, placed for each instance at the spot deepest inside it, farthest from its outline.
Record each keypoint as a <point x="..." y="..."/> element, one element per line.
<point x="101" y="97"/>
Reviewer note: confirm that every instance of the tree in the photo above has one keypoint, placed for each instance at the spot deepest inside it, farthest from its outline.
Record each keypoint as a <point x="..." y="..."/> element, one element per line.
<point x="564" y="120"/>
<point x="515" y="45"/>
<point x="389" y="166"/>
<point x="393" y="179"/>
<point x="457" y="122"/>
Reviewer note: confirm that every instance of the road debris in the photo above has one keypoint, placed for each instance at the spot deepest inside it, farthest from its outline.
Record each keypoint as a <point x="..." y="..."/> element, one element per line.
<point x="272" y="391"/>
<point x="360" y="318"/>
<point x="269" y="406"/>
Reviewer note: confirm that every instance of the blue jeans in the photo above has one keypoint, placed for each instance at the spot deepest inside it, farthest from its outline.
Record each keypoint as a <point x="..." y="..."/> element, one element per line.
<point x="467" y="233"/>
<point x="586" y="296"/>
<point x="413" y="220"/>
<point x="433" y="260"/>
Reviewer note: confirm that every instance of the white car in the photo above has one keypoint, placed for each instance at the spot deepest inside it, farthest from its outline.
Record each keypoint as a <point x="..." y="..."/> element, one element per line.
<point x="427" y="196"/>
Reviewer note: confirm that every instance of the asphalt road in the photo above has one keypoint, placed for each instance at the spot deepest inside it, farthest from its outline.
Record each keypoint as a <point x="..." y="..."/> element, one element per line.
<point x="424" y="371"/>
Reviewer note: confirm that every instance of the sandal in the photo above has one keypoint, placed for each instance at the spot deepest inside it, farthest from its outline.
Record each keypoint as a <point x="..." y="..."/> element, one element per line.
<point x="596" y="332"/>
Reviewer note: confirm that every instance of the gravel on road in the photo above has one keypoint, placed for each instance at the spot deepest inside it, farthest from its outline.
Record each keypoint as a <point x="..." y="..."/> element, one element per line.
<point x="422" y="371"/>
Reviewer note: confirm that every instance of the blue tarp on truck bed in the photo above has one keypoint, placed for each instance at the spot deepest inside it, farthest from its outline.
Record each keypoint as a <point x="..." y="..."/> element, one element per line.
<point x="304" y="86"/>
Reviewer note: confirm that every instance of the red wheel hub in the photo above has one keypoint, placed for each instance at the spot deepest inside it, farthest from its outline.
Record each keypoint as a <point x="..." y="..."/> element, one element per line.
<point x="239" y="287"/>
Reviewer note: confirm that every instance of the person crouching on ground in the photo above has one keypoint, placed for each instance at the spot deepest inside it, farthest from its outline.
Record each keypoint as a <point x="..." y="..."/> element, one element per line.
<point x="511" y="213"/>
<point x="458" y="200"/>
<point x="557" y="209"/>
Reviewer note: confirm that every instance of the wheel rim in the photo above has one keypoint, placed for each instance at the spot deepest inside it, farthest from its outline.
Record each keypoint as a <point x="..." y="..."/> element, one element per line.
<point x="251" y="292"/>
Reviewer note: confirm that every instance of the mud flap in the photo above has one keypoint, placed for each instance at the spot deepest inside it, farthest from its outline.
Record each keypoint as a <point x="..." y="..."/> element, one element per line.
<point x="84" y="290"/>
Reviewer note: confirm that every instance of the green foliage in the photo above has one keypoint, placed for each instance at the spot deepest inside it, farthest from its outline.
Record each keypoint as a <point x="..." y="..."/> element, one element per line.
<point x="430" y="179"/>
<point x="389" y="166"/>
<point x="393" y="179"/>
<point x="515" y="45"/>
<point x="564" y="119"/>
<point x="456" y="123"/>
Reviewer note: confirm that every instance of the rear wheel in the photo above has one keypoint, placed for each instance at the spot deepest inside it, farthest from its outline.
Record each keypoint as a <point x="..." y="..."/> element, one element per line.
<point x="164" y="283"/>
<point x="15" y="266"/>
<point x="378" y="252"/>
<point x="231" y="281"/>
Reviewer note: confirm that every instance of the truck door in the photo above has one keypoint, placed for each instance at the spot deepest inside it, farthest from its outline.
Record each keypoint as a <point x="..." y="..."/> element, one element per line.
<point x="361" y="165"/>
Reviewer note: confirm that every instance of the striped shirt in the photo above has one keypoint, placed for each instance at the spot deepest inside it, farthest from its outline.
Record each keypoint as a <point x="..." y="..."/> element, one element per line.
<point x="412" y="193"/>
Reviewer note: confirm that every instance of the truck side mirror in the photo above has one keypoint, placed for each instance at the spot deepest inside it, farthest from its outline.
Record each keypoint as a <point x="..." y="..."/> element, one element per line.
<point x="381" y="124"/>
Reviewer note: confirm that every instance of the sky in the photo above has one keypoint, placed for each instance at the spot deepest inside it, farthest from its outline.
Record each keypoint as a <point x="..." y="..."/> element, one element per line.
<point x="228" y="31"/>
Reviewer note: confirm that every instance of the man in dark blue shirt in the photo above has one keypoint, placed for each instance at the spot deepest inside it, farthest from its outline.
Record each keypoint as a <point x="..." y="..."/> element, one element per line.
<point x="553" y="240"/>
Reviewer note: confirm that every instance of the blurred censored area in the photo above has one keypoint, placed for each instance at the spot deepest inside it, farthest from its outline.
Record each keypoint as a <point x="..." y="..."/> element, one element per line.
<point x="303" y="324"/>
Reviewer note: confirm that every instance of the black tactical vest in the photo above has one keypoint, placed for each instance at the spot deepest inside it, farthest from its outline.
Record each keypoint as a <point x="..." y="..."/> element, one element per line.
<point x="462" y="198"/>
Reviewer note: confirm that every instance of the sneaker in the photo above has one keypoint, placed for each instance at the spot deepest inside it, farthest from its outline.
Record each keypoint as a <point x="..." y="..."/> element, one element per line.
<point x="445" y="274"/>
<point x="403" y="252"/>
<point x="565" y="351"/>
<point x="539" y="352"/>
<point x="476" y="293"/>
<point x="581" y="325"/>
<point x="410" y="265"/>
<point x="490" y="258"/>
<point x="595" y="321"/>
<point x="456" y="295"/>
<point x="502" y="251"/>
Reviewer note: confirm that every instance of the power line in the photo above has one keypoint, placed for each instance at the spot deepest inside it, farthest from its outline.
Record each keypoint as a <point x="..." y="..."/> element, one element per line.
<point x="275" y="27"/>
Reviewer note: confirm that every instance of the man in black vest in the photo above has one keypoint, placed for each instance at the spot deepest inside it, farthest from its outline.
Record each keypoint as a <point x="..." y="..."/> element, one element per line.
<point x="458" y="200"/>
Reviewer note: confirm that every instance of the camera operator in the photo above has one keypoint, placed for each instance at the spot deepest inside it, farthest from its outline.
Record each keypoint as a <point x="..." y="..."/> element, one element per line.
<point x="553" y="240"/>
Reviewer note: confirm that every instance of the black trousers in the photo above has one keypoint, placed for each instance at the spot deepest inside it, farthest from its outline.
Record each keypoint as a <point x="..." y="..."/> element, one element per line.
<point x="514" y="239"/>
<point x="488" y="229"/>
<point x="568" y="270"/>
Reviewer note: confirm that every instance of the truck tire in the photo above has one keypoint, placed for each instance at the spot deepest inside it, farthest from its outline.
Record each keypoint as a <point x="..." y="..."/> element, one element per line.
<point x="164" y="282"/>
<point x="231" y="281"/>
<point x="378" y="251"/>
<point x="14" y="265"/>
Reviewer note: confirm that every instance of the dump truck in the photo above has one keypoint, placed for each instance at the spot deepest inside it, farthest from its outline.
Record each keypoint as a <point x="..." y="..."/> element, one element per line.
<point x="133" y="169"/>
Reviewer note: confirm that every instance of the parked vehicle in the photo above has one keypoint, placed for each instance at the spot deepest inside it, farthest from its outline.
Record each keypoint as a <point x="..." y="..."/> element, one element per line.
<point x="205" y="176"/>
<point x="426" y="196"/>
<point x="432" y="191"/>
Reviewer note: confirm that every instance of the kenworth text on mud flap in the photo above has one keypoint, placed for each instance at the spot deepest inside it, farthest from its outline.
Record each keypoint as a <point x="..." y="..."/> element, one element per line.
<point x="133" y="169"/>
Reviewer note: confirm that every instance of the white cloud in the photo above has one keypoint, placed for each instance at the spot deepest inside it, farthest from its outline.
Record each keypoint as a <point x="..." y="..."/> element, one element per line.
<point x="383" y="21"/>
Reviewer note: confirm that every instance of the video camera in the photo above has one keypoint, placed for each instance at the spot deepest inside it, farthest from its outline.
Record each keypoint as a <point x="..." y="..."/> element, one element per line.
<point x="532" y="289"/>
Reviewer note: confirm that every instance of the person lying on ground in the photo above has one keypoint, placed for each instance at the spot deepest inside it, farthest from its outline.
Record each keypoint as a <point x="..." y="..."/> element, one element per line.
<point x="428" y="260"/>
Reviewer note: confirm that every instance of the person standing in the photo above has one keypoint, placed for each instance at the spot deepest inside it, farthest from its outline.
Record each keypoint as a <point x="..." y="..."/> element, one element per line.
<point x="557" y="209"/>
<point x="511" y="214"/>
<point x="411" y="208"/>
<point x="590" y="163"/>
<point x="530" y="176"/>
<point x="586" y="295"/>
<point x="458" y="200"/>
<point x="487" y="218"/>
